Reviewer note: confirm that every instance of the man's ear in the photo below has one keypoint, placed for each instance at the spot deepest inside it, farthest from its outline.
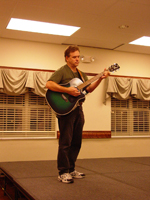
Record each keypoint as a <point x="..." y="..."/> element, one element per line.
<point x="66" y="58"/>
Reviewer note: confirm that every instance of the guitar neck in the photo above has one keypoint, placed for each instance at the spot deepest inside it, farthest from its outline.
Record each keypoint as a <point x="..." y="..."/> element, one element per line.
<point x="112" y="68"/>
<point x="88" y="82"/>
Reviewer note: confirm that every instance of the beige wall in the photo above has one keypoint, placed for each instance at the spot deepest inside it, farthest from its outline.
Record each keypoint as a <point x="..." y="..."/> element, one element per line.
<point x="34" y="55"/>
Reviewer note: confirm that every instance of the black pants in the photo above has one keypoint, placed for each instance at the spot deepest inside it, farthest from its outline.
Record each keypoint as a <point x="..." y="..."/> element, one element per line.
<point x="70" y="127"/>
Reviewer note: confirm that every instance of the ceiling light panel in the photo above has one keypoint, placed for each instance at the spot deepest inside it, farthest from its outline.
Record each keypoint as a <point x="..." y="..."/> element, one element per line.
<point x="41" y="27"/>
<point x="143" y="41"/>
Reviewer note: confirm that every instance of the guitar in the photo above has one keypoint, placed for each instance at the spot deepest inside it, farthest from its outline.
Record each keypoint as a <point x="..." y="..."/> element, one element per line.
<point x="63" y="103"/>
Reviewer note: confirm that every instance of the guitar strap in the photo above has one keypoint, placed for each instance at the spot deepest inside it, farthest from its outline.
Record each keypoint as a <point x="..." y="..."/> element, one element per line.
<point x="80" y="74"/>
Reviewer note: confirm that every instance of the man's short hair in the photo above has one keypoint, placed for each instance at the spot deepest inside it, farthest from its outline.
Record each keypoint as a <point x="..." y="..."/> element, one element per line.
<point x="71" y="48"/>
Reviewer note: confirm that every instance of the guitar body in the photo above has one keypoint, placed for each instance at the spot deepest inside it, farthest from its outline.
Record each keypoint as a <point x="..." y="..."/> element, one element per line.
<point x="63" y="103"/>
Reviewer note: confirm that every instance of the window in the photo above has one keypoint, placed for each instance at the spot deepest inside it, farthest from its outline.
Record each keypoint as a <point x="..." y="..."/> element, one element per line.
<point x="26" y="116"/>
<point x="130" y="117"/>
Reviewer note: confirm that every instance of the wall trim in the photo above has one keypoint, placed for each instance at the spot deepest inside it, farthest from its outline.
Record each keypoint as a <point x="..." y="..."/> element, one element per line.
<point x="92" y="134"/>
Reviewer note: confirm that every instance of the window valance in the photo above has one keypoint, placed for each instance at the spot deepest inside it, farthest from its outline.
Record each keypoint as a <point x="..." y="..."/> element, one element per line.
<point x="16" y="82"/>
<point x="125" y="88"/>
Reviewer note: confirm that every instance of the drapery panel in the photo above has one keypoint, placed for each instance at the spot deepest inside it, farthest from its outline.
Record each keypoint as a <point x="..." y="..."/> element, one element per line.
<point x="16" y="82"/>
<point x="125" y="88"/>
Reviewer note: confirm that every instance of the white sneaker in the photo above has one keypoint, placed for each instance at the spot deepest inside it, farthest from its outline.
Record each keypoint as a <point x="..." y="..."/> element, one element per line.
<point x="76" y="174"/>
<point x="65" y="178"/>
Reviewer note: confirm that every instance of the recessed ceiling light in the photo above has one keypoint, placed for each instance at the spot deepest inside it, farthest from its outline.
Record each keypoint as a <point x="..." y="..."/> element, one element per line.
<point x="123" y="26"/>
<point x="41" y="27"/>
<point x="144" y="41"/>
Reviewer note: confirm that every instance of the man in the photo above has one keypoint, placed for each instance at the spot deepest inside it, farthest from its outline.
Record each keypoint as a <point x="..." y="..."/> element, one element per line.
<point x="70" y="125"/>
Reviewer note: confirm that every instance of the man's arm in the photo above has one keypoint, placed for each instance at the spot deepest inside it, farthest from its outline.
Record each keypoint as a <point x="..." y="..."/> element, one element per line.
<point x="51" y="85"/>
<point x="94" y="85"/>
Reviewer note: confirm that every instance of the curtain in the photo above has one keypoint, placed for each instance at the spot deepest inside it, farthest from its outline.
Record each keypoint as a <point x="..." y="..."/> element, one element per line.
<point x="16" y="82"/>
<point x="125" y="88"/>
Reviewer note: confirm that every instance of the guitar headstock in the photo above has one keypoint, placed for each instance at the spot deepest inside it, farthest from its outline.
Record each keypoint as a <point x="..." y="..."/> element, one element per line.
<point x="114" y="67"/>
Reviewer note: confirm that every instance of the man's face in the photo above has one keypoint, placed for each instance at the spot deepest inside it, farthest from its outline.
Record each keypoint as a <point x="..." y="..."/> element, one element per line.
<point x="74" y="59"/>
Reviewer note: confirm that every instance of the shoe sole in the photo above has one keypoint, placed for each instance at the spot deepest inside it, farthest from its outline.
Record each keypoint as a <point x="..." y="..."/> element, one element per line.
<point x="78" y="177"/>
<point x="60" y="180"/>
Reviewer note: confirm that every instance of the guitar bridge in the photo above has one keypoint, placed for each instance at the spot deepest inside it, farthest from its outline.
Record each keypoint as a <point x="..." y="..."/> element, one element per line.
<point x="64" y="97"/>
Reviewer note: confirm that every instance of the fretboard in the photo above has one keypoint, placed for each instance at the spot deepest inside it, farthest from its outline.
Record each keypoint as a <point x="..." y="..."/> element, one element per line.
<point x="88" y="82"/>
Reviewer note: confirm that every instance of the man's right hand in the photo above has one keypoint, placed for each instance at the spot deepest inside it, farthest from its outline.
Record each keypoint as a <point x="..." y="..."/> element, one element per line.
<point x="73" y="91"/>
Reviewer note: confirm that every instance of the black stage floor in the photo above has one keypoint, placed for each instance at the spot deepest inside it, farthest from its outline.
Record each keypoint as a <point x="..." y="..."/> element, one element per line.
<point x="106" y="179"/>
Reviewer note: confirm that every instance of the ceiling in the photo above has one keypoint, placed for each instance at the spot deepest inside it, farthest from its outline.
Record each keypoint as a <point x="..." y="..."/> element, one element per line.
<point x="99" y="21"/>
